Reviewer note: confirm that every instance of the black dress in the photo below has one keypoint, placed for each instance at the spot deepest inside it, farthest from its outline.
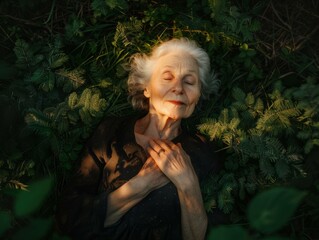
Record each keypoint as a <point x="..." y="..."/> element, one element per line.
<point x="111" y="158"/>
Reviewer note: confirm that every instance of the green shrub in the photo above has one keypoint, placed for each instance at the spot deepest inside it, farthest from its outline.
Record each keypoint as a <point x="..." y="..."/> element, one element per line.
<point x="63" y="70"/>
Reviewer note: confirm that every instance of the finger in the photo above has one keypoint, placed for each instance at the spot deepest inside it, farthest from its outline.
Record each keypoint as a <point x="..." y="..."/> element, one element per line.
<point x="155" y="146"/>
<point x="171" y="144"/>
<point x="162" y="144"/>
<point x="159" y="147"/>
<point x="150" y="162"/>
<point x="154" y="154"/>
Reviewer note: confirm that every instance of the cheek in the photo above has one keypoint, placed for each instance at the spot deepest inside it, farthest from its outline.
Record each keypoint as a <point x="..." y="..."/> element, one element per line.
<point x="194" y="97"/>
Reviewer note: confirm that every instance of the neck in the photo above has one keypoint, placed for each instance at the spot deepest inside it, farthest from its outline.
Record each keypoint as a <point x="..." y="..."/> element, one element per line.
<point x="159" y="126"/>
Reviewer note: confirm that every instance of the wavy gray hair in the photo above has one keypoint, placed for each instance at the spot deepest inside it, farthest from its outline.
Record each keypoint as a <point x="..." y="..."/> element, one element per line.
<point x="142" y="65"/>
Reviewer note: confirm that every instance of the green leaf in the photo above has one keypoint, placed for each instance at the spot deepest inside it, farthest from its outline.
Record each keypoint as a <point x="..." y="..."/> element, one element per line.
<point x="228" y="233"/>
<point x="74" y="27"/>
<point x="36" y="229"/>
<point x="271" y="210"/>
<point x="238" y="94"/>
<point x="5" y="222"/>
<point x="58" y="60"/>
<point x="72" y="100"/>
<point x="27" y="202"/>
<point x="99" y="7"/>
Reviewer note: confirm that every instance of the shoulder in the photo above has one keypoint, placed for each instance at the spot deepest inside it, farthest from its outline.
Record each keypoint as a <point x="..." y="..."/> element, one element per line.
<point x="105" y="130"/>
<point x="206" y="156"/>
<point x="111" y="124"/>
<point x="111" y="127"/>
<point x="195" y="142"/>
<point x="115" y="121"/>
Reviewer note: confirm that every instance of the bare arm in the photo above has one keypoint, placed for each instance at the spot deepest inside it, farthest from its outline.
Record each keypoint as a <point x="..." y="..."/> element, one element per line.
<point x="129" y="194"/>
<point x="176" y="165"/>
<point x="194" y="218"/>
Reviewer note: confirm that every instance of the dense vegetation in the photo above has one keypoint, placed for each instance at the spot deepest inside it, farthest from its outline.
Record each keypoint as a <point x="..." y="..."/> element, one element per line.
<point x="62" y="69"/>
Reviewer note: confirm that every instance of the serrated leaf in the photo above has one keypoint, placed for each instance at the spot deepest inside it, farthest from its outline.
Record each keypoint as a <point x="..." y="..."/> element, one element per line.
<point x="58" y="60"/>
<point x="105" y="83"/>
<point x="27" y="202"/>
<point x="37" y="76"/>
<point x="238" y="94"/>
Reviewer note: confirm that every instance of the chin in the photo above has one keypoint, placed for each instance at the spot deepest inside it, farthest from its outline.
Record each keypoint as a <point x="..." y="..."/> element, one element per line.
<point x="177" y="116"/>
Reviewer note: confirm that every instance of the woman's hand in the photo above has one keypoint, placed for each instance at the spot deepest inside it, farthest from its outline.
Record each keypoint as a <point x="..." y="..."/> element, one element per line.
<point x="176" y="165"/>
<point x="150" y="176"/>
<point x="174" y="162"/>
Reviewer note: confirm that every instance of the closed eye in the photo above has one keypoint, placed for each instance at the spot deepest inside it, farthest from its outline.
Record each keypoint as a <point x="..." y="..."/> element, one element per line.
<point x="168" y="76"/>
<point x="190" y="80"/>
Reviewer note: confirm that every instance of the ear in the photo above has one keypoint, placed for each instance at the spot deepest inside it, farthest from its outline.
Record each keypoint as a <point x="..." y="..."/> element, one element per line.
<point x="147" y="93"/>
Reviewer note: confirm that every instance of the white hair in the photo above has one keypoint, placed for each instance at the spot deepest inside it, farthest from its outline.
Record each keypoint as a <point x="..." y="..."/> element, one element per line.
<point x="142" y="66"/>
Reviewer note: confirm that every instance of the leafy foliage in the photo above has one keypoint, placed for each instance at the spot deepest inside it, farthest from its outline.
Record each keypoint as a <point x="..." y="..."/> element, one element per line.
<point x="64" y="70"/>
<point x="268" y="212"/>
<point x="26" y="204"/>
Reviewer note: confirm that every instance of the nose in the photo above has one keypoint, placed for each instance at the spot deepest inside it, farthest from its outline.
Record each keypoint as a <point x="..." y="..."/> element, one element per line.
<point x="178" y="87"/>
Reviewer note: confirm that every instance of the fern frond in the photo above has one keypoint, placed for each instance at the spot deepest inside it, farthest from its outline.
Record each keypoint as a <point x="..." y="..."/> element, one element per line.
<point x="70" y="80"/>
<point x="39" y="122"/>
<point x="266" y="168"/>
<point x="125" y="31"/>
<point x="23" y="53"/>
<point x="226" y="200"/>
<point x="278" y="119"/>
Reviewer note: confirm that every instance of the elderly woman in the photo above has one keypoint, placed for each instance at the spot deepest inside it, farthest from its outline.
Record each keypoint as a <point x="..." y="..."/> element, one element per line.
<point x="139" y="177"/>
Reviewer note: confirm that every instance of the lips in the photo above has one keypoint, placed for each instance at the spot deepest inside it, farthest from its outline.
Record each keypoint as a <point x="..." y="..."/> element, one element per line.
<point x="176" y="102"/>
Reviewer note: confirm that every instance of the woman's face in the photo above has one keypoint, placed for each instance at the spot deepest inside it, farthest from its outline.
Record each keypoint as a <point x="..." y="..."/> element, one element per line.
<point x="174" y="87"/>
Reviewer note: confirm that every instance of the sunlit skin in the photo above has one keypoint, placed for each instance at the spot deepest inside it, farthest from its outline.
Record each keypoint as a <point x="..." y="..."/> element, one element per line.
<point x="174" y="88"/>
<point x="173" y="92"/>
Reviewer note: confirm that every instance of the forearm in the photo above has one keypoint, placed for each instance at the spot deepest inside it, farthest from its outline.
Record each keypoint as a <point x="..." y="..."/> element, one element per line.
<point x="193" y="214"/>
<point x="123" y="199"/>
